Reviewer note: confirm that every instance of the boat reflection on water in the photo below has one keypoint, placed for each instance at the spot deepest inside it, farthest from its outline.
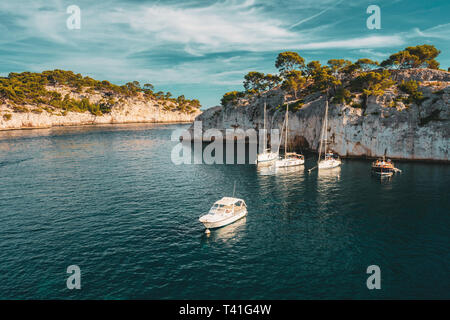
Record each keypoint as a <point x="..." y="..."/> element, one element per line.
<point x="228" y="234"/>
<point x="274" y="170"/>
<point x="329" y="174"/>
<point x="266" y="164"/>
<point x="288" y="170"/>
<point x="266" y="170"/>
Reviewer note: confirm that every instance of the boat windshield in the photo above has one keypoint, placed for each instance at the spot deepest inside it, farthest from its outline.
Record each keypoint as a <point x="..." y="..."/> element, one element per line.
<point x="220" y="208"/>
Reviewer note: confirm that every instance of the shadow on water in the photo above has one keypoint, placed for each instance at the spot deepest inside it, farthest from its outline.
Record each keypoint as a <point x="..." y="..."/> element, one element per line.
<point x="229" y="234"/>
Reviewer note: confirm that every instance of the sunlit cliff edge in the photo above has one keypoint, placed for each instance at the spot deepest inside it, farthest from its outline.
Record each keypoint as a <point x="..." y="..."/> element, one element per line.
<point x="395" y="123"/>
<point x="62" y="98"/>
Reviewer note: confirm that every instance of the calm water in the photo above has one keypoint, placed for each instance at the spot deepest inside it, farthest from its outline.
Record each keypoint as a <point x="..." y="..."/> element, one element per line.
<point x="109" y="200"/>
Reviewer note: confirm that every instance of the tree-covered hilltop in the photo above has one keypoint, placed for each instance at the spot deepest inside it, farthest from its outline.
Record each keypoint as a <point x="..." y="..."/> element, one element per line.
<point x="38" y="90"/>
<point x="344" y="80"/>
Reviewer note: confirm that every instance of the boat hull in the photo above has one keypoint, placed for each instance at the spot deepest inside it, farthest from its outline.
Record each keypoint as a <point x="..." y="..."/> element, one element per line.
<point x="267" y="157"/>
<point x="289" y="163"/>
<point x="224" y="222"/>
<point x="382" y="172"/>
<point x="329" y="164"/>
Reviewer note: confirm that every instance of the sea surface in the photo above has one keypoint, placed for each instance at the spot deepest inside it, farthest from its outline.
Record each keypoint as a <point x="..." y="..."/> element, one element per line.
<point x="109" y="200"/>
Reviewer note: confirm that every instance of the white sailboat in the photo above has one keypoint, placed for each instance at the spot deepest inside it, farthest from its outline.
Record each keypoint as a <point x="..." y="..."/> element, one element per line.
<point x="330" y="160"/>
<point x="290" y="158"/>
<point x="267" y="155"/>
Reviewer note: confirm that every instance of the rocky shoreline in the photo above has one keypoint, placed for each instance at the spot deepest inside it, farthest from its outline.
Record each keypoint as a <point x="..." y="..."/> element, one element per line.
<point x="127" y="110"/>
<point x="386" y="126"/>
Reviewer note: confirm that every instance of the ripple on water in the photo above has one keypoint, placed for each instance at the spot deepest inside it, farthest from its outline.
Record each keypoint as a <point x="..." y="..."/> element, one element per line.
<point x="109" y="199"/>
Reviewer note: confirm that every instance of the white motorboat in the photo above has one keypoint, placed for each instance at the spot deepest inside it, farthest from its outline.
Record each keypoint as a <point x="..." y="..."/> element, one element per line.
<point x="290" y="158"/>
<point x="267" y="155"/>
<point x="330" y="160"/>
<point x="225" y="211"/>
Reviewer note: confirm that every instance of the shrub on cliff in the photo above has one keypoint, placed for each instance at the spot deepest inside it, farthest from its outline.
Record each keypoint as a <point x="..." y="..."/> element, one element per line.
<point x="372" y="83"/>
<point x="342" y="95"/>
<point x="231" y="97"/>
<point x="411" y="87"/>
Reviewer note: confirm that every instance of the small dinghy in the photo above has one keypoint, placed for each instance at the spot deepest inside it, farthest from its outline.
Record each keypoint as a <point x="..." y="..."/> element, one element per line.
<point x="224" y="212"/>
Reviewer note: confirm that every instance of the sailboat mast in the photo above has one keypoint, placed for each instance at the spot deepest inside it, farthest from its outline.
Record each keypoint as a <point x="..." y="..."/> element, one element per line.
<point x="321" y="136"/>
<point x="326" y="125"/>
<point x="265" y="133"/>
<point x="286" y="139"/>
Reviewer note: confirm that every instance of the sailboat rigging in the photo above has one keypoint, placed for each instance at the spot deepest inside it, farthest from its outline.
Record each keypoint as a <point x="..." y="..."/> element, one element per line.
<point x="267" y="155"/>
<point x="290" y="158"/>
<point x="330" y="160"/>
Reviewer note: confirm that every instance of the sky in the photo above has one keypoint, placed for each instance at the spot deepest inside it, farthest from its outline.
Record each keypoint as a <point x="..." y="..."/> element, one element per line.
<point x="203" y="49"/>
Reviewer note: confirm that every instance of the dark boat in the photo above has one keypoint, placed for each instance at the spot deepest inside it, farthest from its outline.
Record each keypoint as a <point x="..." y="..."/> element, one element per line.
<point x="383" y="167"/>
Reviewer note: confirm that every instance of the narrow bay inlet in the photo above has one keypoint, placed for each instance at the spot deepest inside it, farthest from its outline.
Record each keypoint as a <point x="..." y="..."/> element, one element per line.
<point x="224" y="159"/>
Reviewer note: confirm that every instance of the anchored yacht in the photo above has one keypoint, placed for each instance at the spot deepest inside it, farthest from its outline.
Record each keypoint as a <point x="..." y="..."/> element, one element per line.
<point x="330" y="160"/>
<point x="225" y="211"/>
<point x="290" y="158"/>
<point x="267" y="155"/>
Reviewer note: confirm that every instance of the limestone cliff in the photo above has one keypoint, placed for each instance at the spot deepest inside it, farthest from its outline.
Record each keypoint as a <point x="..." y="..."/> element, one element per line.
<point x="63" y="98"/>
<point x="387" y="124"/>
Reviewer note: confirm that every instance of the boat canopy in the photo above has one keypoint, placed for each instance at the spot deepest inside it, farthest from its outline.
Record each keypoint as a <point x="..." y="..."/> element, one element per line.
<point x="228" y="201"/>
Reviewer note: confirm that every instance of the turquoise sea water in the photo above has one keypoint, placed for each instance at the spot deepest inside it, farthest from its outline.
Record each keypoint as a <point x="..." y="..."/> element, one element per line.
<point x="109" y="199"/>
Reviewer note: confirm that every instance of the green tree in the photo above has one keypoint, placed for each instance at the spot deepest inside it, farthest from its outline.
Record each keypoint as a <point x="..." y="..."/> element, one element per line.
<point x="338" y="65"/>
<point x="288" y="61"/>
<point x="367" y="64"/>
<point x="372" y="83"/>
<point x="254" y="81"/>
<point x="342" y="95"/>
<point x="322" y="76"/>
<point x="294" y="81"/>
<point x="312" y="68"/>
<point x="149" y="86"/>
<point x="412" y="88"/>
<point x="422" y="56"/>
<point x="351" y="70"/>
<point x="271" y="81"/>
<point x="231" y="97"/>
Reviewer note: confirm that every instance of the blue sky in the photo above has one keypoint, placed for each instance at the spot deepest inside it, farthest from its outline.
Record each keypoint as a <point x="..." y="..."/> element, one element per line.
<point x="203" y="49"/>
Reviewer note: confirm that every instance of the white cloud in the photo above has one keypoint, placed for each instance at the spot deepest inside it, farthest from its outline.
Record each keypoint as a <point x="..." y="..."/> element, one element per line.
<point x="441" y="31"/>
<point x="363" y="42"/>
<point x="219" y="27"/>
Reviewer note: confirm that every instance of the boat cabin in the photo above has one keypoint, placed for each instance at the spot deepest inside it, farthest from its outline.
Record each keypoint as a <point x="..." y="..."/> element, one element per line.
<point x="227" y="205"/>
<point x="294" y="155"/>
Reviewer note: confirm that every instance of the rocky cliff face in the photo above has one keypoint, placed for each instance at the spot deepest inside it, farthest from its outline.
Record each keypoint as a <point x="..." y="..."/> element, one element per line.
<point x="126" y="110"/>
<point x="387" y="125"/>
